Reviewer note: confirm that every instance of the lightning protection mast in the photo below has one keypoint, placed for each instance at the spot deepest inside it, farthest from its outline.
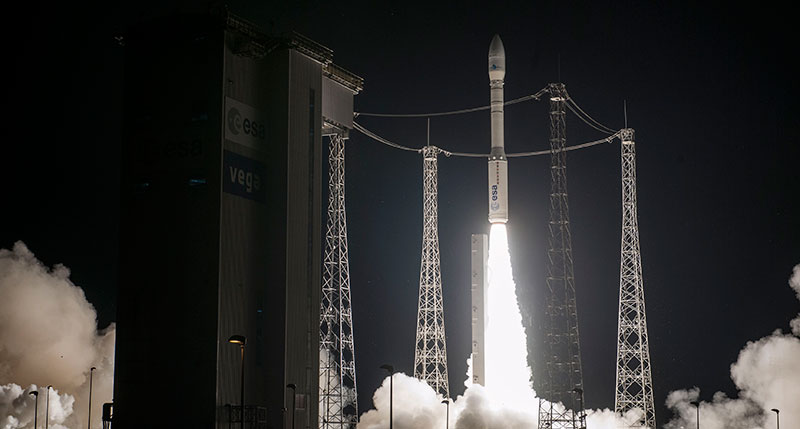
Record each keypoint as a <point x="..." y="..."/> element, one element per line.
<point x="338" y="408"/>
<point x="563" y="381"/>
<point x="634" y="382"/>
<point x="430" y="355"/>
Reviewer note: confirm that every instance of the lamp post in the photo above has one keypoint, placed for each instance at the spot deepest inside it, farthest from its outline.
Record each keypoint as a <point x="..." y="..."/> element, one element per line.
<point x="47" y="412"/>
<point x="35" y="394"/>
<point x="294" y="396"/>
<point x="697" y="404"/>
<point x="390" y="370"/>
<point x="447" y="418"/>
<point x="241" y="340"/>
<point x="89" y="424"/>
<point x="777" y="416"/>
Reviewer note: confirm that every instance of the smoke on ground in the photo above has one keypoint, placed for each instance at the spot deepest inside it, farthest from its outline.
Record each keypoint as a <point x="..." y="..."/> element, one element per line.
<point x="766" y="375"/>
<point x="49" y="336"/>
<point x="508" y="401"/>
<point x="417" y="406"/>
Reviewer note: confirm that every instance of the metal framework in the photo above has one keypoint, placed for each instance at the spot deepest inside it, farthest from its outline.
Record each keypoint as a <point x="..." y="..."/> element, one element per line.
<point x="338" y="407"/>
<point x="430" y="354"/>
<point x="563" y="381"/>
<point x="634" y="382"/>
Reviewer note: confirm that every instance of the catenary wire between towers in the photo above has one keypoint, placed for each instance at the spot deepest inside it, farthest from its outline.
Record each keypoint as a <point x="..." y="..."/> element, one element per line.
<point x="448" y="153"/>
<point x="571" y="104"/>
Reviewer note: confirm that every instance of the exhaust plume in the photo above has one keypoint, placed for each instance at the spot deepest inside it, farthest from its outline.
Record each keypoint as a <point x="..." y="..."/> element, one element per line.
<point x="49" y="336"/>
<point x="508" y="401"/>
<point x="766" y="373"/>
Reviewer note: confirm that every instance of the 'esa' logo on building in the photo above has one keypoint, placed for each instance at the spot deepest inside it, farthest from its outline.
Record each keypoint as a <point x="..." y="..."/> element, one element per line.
<point x="244" y="124"/>
<point x="237" y="124"/>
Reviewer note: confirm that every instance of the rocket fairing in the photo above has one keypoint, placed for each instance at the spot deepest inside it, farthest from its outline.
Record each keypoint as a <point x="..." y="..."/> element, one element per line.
<point x="498" y="164"/>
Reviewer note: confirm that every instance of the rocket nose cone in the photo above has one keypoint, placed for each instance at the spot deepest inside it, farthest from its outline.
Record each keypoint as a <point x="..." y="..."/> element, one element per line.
<point x="496" y="48"/>
<point x="497" y="60"/>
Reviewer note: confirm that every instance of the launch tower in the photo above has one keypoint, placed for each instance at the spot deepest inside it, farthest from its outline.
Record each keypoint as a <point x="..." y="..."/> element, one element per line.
<point x="338" y="407"/>
<point x="430" y="355"/>
<point x="563" y="379"/>
<point x="634" y="381"/>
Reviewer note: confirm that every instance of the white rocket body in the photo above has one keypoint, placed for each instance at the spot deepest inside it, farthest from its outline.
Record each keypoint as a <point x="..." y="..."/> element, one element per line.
<point x="498" y="164"/>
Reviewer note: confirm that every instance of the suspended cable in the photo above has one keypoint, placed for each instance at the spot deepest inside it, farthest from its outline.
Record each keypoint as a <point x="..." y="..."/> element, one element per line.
<point x="448" y="153"/>
<point x="571" y="103"/>
<point x="378" y="138"/>
<point x="452" y="112"/>
<point x="608" y="139"/>
<point x="586" y="121"/>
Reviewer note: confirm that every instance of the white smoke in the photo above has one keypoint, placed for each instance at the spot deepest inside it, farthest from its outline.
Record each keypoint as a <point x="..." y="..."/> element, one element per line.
<point x="330" y="382"/>
<point x="767" y="376"/>
<point x="766" y="373"/>
<point x="608" y="419"/>
<point x="417" y="406"/>
<point x="794" y="282"/>
<point x="508" y="402"/>
<point x="18" y="407"/>
<point x="49" y="336"/>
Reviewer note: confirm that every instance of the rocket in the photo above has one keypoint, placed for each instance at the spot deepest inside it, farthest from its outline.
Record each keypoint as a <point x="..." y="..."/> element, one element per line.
<point x="498" y="164"/>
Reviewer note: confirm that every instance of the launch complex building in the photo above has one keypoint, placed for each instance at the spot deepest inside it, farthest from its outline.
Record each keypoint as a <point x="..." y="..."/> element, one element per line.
<point x="220" y="230"/>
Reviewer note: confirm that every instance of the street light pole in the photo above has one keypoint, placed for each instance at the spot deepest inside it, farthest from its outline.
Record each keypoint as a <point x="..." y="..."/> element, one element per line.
<point x="447" y="418"/>
<point x="241" y="340"/>
<point x="294" y="396"/>
<point x="390" y="370"/>
<point x="89" y="424"/>
<point x="777" y="416"/>
<point x="697" y="404"/>
<point x="47" y="412"/>
<point x="35" y="394"/>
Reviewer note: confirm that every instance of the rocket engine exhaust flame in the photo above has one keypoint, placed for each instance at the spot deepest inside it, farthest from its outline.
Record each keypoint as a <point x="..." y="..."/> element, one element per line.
<point x="767" y="372"/>
<point x="507" y="373"/>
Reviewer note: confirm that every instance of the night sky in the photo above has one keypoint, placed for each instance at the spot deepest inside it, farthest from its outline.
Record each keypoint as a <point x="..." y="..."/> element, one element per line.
<point x="710" y="92"/>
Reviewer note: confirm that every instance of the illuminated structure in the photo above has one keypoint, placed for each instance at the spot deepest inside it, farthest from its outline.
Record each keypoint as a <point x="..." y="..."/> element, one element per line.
<point x="430" y="353"/>
<point x="563" y="378"/>
<point x="634" y="380"/>
<point x="479" y="281"/>
<point x="338" y="406"/>
<point x="221" y="220"/>
<point x="498" y="164"/>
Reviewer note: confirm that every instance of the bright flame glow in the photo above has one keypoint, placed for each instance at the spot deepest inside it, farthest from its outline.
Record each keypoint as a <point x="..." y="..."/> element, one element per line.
<point x="508" y="400"/>
<point x="507" y="371"/>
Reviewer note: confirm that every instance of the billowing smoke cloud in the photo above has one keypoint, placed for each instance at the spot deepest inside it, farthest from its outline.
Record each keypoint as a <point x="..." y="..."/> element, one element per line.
<point x="508" y="401"/>
<point x="18" y="407"/>
<point x="767" y="376"/>
<point x="794" y="282"/>
<point x="607" y="419"/>
<point x="417" y="406"/>
<point x="49" y="336"/>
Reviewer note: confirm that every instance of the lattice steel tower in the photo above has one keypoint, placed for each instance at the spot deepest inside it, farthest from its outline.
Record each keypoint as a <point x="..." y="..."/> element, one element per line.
<point x="634" y="381"/>
<point x="338" y="407"/>
<point x="563" y="378"/>
<point x="430" y="355"/>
